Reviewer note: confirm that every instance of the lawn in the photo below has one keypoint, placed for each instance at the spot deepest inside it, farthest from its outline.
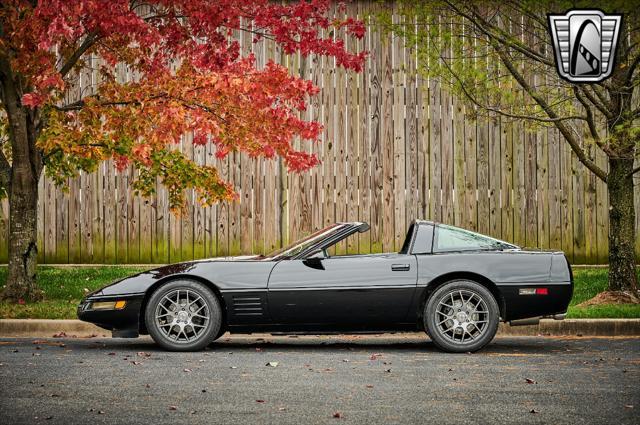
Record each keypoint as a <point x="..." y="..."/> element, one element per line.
<point x="65" y="286"/>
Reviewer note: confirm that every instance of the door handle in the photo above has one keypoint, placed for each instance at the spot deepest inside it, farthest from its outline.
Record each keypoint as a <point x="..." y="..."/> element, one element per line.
<point x="400" y="267"/>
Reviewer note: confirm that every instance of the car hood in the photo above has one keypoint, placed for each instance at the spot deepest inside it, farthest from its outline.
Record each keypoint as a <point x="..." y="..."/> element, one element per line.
<point x="140" y="282"/>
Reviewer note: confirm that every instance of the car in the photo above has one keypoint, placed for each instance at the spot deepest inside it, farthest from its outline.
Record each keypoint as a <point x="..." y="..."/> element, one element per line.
<point x="454" y="284"/>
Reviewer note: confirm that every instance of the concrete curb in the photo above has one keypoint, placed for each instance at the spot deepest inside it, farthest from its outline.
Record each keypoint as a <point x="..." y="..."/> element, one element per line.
<point x="40" y="328"/>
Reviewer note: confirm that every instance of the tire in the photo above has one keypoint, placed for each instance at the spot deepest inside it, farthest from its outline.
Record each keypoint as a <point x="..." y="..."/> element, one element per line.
<point x="461" y="316"/>
<point x="177" y="326"/>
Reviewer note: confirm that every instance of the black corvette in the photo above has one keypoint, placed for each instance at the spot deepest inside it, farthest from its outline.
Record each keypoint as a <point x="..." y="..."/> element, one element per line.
<point x="454" y="284"/>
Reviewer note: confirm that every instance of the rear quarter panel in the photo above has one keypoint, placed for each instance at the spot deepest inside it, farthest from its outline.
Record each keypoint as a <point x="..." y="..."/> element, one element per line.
<point x="508" y="271"/>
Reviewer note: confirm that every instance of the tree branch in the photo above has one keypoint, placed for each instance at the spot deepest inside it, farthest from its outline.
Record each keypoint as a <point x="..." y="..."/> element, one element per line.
<point x="5" y="172"/>
<point x="73" y="59"/>
<point x="469" y="96"/>
<point x="635" y="170"/>
<point x="494" y="32"/>
<point x="561" y="125"/>
<point x="591" y="121"/>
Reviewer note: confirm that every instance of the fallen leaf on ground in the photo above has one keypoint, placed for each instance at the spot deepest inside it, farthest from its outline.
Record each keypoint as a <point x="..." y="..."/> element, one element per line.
<point x="533" y="411"/>
<point x="173" y="407"/>
<point x="187" y="370"/>
<point x="628" y="406"/>
<point x="143" y="354"/>
<point x="369" y="386"/>
<point x="529" y="381"/>
<point x="272" y="364"/>
<point x="337" y="415"/>
<point x="111" y="354"/>
<point x="260" y="401"/>
<point x="135" y="363"/>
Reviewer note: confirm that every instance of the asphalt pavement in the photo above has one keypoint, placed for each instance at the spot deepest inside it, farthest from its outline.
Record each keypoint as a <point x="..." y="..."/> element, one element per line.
<point x="329" y="379"/>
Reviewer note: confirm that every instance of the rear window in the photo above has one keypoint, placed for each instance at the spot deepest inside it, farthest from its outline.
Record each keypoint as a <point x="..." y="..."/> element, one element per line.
<point x="450" y="238"/>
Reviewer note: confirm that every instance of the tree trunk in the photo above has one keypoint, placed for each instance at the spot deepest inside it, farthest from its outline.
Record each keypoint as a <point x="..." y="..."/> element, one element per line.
<point x="26" y="168"/>
<point x="622" y="235"/>
<point x="23" y="251"/>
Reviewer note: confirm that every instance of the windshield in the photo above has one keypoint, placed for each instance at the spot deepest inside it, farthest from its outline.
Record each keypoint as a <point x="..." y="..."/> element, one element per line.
<point x="302" y="244"/>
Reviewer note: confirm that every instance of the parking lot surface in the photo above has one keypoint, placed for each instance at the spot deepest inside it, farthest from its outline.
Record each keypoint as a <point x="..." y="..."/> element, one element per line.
<point x="320" y="379"/>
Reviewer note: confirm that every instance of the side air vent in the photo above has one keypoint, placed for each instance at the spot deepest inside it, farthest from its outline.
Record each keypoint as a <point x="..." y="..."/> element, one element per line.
<point x="247" y="306"/>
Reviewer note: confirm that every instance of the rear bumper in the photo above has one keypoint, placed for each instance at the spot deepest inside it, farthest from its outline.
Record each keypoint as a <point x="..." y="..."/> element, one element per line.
<point x="122" y="323"/>
<point x="519" y="306"/>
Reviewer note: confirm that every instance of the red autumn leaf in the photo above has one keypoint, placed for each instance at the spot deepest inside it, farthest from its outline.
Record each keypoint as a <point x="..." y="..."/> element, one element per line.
<point x="184" y="90"/>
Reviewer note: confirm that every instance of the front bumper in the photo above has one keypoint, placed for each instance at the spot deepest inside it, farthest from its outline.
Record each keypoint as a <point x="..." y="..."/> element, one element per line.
<point x="122" y="323"/>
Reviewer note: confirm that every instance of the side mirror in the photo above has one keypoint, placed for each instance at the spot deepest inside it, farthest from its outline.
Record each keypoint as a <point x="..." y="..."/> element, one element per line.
<point x="315" y="260"/>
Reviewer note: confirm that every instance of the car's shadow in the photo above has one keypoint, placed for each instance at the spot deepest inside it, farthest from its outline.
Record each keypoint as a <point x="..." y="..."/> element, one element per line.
<point x="500" y="346"/>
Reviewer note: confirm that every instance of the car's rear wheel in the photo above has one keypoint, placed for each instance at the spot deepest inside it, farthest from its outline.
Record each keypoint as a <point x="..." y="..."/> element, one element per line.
<point x="183" y="315"/>
<point x="461" y="316"/>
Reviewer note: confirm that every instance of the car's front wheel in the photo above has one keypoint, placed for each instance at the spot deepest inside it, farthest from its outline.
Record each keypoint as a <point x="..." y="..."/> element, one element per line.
<point x="183" y="315"/>
<point x="461" y="316"/>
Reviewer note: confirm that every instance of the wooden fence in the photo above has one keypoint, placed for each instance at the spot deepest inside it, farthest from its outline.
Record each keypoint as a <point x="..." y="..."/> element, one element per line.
<point x="395" y="147"/>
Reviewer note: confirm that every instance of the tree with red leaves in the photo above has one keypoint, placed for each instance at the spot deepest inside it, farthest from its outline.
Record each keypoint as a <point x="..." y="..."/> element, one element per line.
<point x="191" y="78"/>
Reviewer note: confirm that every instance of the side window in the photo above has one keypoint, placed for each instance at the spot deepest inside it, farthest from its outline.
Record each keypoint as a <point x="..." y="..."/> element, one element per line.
<point x="422" y="242"/>
<point x="453" y="239"/>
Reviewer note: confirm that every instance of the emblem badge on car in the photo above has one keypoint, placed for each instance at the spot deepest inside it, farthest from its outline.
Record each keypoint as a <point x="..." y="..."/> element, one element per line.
<point x="584" y="42"/>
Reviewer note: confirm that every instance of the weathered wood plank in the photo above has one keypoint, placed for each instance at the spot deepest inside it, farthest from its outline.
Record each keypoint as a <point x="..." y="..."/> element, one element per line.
<point x="482" y="161"/>
<point x="495" y="177"/>
<point x="352" y="122"/>
<point x="375" y="96"/>
<point x="542" y="187"/>
<point x="506" y="182"/>
<point x="386" y="114"/>
<point x="399" y="148"/>
<point x="411" y="133"/>
<point x="555" y="214"/>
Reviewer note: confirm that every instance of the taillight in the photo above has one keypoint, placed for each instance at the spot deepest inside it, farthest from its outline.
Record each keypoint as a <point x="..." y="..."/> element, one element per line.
<point x="533" y="291"/>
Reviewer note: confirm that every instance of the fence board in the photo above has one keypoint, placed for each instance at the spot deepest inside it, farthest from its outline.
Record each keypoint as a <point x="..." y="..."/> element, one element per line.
<point x="395" y="146"/>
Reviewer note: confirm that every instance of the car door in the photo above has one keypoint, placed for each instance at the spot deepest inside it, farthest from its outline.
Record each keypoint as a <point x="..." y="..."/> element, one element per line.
<point x="363" y="290"/>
